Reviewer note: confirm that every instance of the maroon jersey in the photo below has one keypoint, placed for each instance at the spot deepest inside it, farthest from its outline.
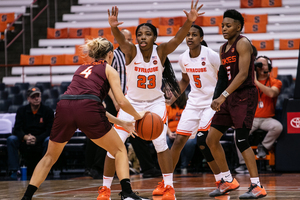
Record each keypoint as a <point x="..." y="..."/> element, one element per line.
<point x="230" y="60"/>
<point x="90" y="79"/>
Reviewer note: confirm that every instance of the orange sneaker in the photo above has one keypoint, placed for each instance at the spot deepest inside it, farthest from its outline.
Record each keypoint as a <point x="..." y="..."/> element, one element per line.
<point x="159" y="190"/>
<point x="169" y="193"/>
<point x="104" y="193"/>
<point x="224" y="187"/>
<point x="254" y="192"/>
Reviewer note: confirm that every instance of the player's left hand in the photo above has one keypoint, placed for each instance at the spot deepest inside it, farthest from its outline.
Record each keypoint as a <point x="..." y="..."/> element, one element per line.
<point x="216" y="104"/>
<point x="113" y="17"/>
<point x="129" y="126"/>
<point x="193" y="14"/>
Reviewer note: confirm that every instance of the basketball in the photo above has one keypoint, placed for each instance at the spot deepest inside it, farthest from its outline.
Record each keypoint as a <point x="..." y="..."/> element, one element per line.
<point x="149" y="127"/>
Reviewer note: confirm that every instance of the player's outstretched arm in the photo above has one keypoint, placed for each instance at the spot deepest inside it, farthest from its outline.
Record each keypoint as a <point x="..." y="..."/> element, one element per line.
<point x="127" y="47"/>
<point x="170" y="46"/>
<point x="114" y="81"/>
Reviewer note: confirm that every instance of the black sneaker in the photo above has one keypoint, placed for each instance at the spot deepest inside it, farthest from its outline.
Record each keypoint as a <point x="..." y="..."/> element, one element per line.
<point x="131" y="196"/>
<point x="26" y="198"/>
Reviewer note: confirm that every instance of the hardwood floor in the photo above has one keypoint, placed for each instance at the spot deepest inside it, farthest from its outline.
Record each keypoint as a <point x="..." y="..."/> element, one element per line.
<point x="188" y="187"/>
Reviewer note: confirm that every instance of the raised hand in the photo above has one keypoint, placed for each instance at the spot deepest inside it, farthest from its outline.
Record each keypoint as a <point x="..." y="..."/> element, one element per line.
<point x="113" y="17"/>
<point x="193" y="14"/>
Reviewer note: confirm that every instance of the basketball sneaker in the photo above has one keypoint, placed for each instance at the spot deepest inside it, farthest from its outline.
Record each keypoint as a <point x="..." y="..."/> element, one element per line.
<point x="254" y="192"/>
<point x="159" y="190"/>
<point x="169" y="193"/>
<point x="131" y="196"/>
<point x="224" y="187"/>
<point x="104" y="193"/>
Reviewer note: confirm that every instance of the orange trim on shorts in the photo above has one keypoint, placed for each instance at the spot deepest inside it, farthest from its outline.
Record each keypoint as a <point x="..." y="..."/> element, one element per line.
<point x="120" y="128"/>
<point x="165" y="117"/>
<point x="183" y="132"/>
<point x="205" y="128"/>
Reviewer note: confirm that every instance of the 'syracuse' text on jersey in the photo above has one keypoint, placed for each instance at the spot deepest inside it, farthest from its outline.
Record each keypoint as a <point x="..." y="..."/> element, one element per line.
<point x="144" y="80"/>
<point x="202" y="72"/>
<point x="230" y="60"/>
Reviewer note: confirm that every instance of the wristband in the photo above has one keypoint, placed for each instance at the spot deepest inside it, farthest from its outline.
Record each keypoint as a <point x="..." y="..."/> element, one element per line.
<point x="225" y="93"/>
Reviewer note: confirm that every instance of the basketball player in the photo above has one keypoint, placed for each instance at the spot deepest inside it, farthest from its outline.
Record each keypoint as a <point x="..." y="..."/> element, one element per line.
<point x="235" y="106"/>
<point x="145" y="71"/>
<point x="199" y="66"/>
<point x="81" y="107"/>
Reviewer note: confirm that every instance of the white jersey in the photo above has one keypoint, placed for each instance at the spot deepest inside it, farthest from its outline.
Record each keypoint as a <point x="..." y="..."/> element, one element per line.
<point x="144" y="80"/>
<point x="202" y="72"/>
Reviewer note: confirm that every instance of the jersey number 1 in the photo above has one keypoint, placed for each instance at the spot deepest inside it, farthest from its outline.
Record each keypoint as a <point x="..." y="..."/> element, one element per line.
<point x="141" y="83"/>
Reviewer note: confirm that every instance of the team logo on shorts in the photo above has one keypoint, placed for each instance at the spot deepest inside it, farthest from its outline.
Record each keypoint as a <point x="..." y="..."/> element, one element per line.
<point x="154" y="62"/>
<point x="232" y="50"/>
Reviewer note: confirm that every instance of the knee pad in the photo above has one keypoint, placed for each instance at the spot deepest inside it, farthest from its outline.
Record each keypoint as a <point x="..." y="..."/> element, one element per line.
<point x="160" y="143"/>
<point x="201" y="142"/>
<point x="241" y="139"/>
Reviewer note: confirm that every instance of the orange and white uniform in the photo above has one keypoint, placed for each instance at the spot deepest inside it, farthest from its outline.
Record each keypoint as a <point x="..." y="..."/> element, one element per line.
<point x="202" y="72"/>
<point x="144" y="81"/>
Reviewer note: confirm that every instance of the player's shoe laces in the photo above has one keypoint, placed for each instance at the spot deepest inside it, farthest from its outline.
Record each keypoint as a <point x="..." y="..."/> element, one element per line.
<point x="104" y="193"/>
<point x="224" y="187"/>
<point x="159" y="190"/>
<point x="131" y="196"/>
<point x="169" y="193"/>
<point x="254" y="192"/>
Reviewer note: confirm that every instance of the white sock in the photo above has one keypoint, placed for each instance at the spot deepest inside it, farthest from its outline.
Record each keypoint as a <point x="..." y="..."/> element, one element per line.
<point x="168" y="179"/>
<point x="227" y="176"/>
<point x="218" y="177"/>
<point x="107" y="181"/>
<point x="255" y="181"/>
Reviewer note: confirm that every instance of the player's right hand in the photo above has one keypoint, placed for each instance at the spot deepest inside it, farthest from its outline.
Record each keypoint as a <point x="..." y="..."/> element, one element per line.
<point x="113" y="17"/>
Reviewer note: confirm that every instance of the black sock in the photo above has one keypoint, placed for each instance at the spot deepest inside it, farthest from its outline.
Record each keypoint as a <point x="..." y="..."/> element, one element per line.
<point x="30" y="191"/>
<point x="126" y="186"/>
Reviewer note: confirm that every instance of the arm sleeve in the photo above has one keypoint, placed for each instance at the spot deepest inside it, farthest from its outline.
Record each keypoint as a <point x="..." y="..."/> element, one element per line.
<point x="48" y="119"/>
<point x="221" y="83"/>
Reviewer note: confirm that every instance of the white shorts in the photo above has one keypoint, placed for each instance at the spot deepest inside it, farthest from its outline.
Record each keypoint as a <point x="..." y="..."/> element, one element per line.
<point x="193" y="120"/>
<point x="157" y="106"/>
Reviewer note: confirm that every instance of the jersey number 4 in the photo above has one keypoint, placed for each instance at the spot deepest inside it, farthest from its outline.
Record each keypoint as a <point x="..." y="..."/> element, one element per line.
<point x="142" y="79"/>
<point x="87" y="71"/>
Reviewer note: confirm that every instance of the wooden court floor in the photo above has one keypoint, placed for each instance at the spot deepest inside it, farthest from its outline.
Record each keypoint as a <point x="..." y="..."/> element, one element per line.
<point x="188" y="187"/>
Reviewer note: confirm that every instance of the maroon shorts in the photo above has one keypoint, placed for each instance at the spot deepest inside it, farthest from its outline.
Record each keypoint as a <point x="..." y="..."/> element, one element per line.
<point x="86" y="114"/>
<point x="238" y="109"/>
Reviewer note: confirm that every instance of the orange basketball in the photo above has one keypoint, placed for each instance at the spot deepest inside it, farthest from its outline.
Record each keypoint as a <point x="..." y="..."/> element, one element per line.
<point x="150" y="126"/>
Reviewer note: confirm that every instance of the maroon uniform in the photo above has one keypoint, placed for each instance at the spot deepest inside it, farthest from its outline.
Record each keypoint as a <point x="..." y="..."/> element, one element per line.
<point x="239" y="107"/>
<point x="86" y="114"/>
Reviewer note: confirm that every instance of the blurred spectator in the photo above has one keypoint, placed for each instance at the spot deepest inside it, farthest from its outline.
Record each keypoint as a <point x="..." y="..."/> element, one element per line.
<point x="268" y="91"/>
<point x="30" y="134"/>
